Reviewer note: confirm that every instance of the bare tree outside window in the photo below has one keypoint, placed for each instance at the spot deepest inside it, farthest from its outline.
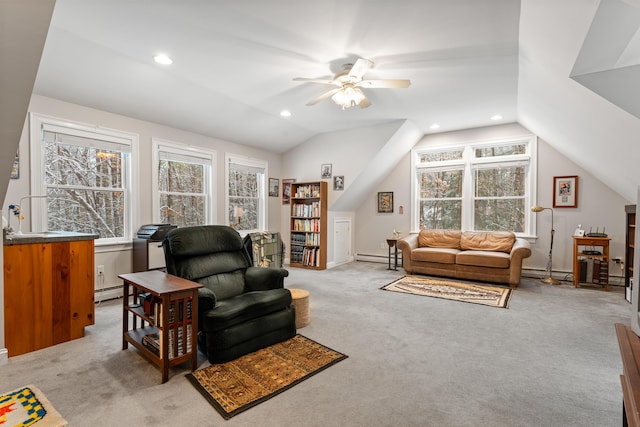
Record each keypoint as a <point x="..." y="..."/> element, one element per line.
<point x="246" y="198"/>
<point x="440" y="199"/>
<point x="85" y="189"/>
<point x="183" y="195"/>
<point x="480" y="187"/>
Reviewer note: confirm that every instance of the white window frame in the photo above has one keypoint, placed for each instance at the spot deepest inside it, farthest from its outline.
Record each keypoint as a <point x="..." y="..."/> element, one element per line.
<point x="251" y="162"/>
<point x="39" y="122"/>
<point x="469" y="161"/>
<point x="204" y="156"/>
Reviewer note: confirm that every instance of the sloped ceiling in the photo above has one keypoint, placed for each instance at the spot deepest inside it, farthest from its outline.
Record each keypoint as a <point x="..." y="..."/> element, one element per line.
<point x="18" y="69"/>
<point x="556" y="40"/>
<point x="566" y="69"/>
<point x="234" y="63"/>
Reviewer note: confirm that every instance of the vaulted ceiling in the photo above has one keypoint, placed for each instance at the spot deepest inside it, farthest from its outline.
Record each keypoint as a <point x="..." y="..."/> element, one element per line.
<point x="532" y="61"/>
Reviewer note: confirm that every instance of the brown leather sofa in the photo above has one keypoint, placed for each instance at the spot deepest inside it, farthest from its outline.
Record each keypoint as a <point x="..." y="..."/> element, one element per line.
<point x="490" y="256"/>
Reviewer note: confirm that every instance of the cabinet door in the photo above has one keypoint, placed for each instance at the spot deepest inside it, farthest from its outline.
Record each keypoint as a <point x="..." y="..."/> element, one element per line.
<point x="156" y="255"/>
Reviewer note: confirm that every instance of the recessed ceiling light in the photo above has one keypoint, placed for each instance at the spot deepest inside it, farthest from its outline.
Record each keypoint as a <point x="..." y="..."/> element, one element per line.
<point x="434" y="126"/>
<point x="285" y="113"/>
<point x="163" y="59"/>
<point x="496" y="117"/>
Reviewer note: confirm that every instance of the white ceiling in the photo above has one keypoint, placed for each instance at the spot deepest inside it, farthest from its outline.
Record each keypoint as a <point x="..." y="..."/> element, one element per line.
<point x="566" y="70"/>
<point x="234" y="63"/>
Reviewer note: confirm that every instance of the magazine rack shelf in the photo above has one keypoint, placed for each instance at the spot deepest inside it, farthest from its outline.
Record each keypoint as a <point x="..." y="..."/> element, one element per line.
<point x="308" y="226"/>
<point x="160" y="318"/>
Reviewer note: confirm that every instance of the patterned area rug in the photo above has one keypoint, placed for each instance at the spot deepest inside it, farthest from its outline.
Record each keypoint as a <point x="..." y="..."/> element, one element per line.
<point x="456" y="290"/>
<point x="236" y="386"/>
<point x="27" y="406"/>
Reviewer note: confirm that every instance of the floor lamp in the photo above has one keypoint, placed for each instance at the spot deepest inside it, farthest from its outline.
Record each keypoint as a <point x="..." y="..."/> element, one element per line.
<point x="549" y="280"/>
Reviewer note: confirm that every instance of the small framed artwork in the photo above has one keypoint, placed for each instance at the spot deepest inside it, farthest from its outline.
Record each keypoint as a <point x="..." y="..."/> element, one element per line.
<point x="385" y="202"/>
<point x="565" y="191"/>
<point x="325" y="171"/>
<point x="274" y="187"/>
<point x="286" y="190"/>
<point x="338" y="182"/>
<point x="15" y="169"/>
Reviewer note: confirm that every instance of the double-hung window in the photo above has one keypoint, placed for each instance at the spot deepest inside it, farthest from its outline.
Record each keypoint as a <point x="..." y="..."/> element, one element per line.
<point x="183" y="177"/>
<point x="246" y="193"/>
<point x="478" y="186"/>
<point x="85" y="174"/>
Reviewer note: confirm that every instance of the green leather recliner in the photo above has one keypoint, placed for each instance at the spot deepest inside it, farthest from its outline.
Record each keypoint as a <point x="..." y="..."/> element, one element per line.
<point x="241" y="308"/>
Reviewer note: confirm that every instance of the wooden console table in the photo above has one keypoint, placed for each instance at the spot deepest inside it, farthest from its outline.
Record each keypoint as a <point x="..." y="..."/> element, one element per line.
<point x="601" y="242"/>
<point x="629" y="344"/>
<point x="174" y="321"/>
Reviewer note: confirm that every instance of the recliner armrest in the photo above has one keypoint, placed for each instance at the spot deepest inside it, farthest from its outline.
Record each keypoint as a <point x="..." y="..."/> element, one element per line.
<point x="262" y="279"/>
<point x="206" y="299"/>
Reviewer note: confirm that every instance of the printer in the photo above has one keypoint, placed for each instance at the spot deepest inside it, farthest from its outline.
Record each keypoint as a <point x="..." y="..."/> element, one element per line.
<point x="155" y="231"/>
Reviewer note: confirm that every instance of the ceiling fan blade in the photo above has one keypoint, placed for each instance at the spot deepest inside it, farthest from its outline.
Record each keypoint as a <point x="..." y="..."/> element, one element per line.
<point x="322" y="81"/>
<point x="324" y="96"/>
<point x="381" y="84"/>
<point x="359" y="68"/>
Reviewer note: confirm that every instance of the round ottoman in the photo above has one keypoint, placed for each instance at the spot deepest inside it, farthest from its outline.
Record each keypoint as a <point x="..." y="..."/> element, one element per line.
<point x="301" y="304"/>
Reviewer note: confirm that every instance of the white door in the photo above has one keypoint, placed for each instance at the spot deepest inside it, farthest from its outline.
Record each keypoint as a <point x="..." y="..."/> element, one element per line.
<point x="342" y="241"/>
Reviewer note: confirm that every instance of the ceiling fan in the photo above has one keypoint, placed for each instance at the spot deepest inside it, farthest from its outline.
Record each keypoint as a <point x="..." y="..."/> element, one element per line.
<point x="350" y="83"/>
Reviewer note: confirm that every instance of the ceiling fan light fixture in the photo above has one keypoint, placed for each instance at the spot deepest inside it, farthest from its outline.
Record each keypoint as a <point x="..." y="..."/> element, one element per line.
<point x="348" y="97"/>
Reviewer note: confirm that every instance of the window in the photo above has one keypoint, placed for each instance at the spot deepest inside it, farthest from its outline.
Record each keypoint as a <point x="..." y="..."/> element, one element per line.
<point x="85" y="172"/>
<point x="183" y="177"/>
<point x="482" y="186"/>
<point x="246" y="193"/>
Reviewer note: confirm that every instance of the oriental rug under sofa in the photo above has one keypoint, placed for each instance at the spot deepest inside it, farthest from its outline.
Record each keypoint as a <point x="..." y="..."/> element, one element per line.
<point x="489" y="256"/>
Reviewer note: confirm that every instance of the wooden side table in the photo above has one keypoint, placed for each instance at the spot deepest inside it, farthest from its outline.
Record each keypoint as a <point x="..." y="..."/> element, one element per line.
<point x="167" y="334"/>
<point x="597" y="242"/>
<point x="392" y="243"/>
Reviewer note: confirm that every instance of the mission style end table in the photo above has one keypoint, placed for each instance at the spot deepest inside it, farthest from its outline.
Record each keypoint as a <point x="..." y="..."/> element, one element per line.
<point x="164" y="318"/>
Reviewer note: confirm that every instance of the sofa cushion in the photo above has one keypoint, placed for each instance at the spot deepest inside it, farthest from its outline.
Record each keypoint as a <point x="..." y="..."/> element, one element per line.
<point x="483" y="259"/>
<point x="441" y="255"/>
<point x="439" y="239"/>
<point x="500" y="241"/>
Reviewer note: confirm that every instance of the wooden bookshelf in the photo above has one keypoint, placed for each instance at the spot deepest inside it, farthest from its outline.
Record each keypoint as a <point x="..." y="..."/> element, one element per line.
<point x="630" y="238"/>
<point x="308" y="225"/>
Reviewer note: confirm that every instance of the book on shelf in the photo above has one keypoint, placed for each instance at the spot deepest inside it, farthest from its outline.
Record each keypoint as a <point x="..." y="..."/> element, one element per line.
<point x="302" y="191"/>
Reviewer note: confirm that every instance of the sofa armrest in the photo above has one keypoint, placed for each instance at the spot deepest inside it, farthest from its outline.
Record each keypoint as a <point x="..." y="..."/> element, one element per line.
<point x="521" y="249"/>
<point x="406" y="245"/>
<point x="262" y="278"/>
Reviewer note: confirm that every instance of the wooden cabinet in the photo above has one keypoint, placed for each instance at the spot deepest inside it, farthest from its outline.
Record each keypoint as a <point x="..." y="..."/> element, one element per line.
<point x="630" y="238"/>
<point x="166" y="333"/>
<point x="596" y="248"/>
<point x="147" y="255"/>
<point x="48" y="293"/>
<point x="308" y="225"/>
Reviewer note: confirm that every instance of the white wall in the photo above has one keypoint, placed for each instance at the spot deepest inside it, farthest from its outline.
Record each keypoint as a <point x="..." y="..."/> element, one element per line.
<point x="119" y="261"/>
<point x="598" y="205"/>
<point x="349" y="152"/>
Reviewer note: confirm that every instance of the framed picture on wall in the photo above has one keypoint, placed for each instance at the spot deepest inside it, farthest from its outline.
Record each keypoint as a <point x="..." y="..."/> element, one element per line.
<point x="274" y="184"/>
<point x="565" y="191"/>
<point x="325" y="171"/>
<point x="385" y="202"/>
<point x="286" y="190"/>
<point x="338" y="182"/>
<point x="15" y="169"/>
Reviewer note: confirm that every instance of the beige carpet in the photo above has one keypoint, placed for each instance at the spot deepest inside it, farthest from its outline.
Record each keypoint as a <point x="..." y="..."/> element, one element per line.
<point x="236" y="386"/>
<point x="450" y="289"/>
<point x="27" y="406"/>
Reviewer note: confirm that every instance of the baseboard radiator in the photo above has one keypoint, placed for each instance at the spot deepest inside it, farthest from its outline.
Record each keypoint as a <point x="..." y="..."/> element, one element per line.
<point x="108" y="292"/>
